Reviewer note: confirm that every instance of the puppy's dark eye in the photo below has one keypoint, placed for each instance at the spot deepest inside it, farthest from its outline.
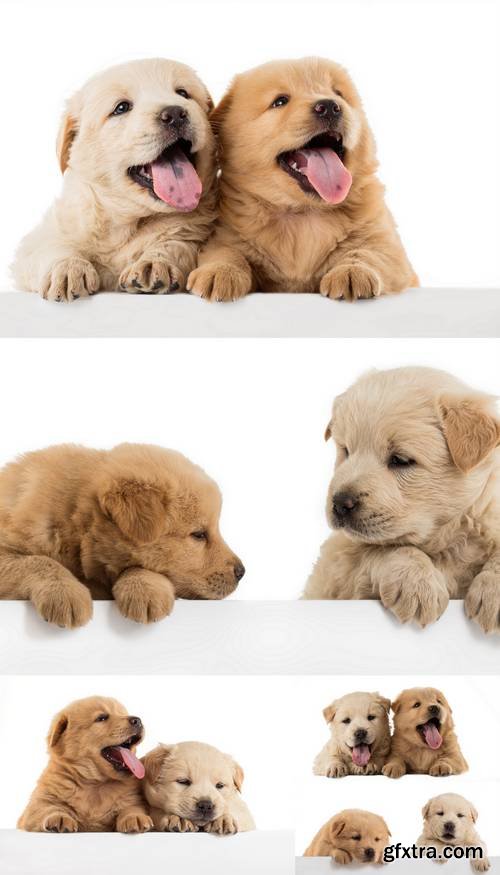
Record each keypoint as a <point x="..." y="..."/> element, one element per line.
<point x="347" y="720"/>
<point x="183" y="93"/>
<point x="371" y="717"/>
<point x="345" y="451"/>
<point x="122" y="107"/>
<point x="460" y="815"/>
<point x="397" y="461"/>
<point x="202" y="535"/>
<point x="377" y="840"/>
<point x="281" y="100"/>
<point x="184" y="781"/>
<point x="439" y="813"/>
<point x="336" y="90"/>
<point x="101" y="718"/>
<point x="417" y="705"/>
<point x="219" y="786"/>
<point x="356" y="838"/>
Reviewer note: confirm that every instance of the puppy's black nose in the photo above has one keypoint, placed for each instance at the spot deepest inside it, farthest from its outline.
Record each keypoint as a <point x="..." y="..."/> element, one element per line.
<point x="369" y="853"/>
<point x="433" y="709"/>
<point x="360" y="735"/>
<point x="327" y="109"/>
<point x="239" y="571"/>
<point x="205" y="807"/>
<point x="173" y="116"/>
<point x="344" y="503"/>
<point x="449" y="826"/>
<point x="136" y="722"/>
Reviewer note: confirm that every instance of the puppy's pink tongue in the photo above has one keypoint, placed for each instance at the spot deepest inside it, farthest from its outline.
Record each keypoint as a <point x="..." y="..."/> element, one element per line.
<point x="432" y="736"/>
<point x="175" y="181"/>
<point x="130" y="760"/>
<point x="325" y="172"/>
<point x="361" y="754"/>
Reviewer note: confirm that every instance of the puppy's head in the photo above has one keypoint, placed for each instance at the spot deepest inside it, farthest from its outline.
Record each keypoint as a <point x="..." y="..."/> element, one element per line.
<point x="423" y="717"/>
<point x="191" y="780"/>
<point x="415" y="450"/>
<point x="361" y="834"/>
<point x="157" y="510"/>
<point x="139" y="132"/>
<point x="294" y="133"/>
<point x="359" y="724"/>
<point x="96" y="738"/>
<point x="450" y="819"/>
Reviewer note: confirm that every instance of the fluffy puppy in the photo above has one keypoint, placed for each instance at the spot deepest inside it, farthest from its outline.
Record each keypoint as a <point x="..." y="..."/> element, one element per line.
<point x="138" y="198"/>
<point x="449" y="822"/>
<point x="423" y="742"/>
<point x="137" y="523"/>
<point x="414" y="500"/>
<point x="92" y="780"/>
<point x="301" y="209"/>
<point x="360" y="736"/>
<point x="193" y="787"/>
<point x="351" y="836"/>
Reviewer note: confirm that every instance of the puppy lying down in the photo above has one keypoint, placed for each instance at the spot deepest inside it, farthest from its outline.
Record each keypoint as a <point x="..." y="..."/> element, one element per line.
<point x="138" y="197"/>
<point x="351" y="836"/>
<point x="193" y="787"/>
<point x="449" y="822"/>
<point x="414" y="500"/>
<point x="360" y="736"/>
<point x="138" y="523"/>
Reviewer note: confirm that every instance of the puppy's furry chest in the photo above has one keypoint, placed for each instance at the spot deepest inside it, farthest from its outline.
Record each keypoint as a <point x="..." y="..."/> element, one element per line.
<point x="463" y="561"/>
<point x="97" y="807"/>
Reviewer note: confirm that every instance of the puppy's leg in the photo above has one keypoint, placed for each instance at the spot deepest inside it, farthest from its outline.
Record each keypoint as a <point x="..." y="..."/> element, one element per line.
<point x="143" y="596"/>
<point x="395" y="767"/>
<point x="482" y="602"/>
<point x="449" y="764"/>
<point x="340" y="856"/>
<point x="173" y="823"/>
<point x="160" y="270"/>
<point x="41" y="817"/>
<point x="350" y="281"/>
<point x="481" y="864"/>
<point x="409" y="585"/>
<point x="336" y="768"/>
<point x="222" y="826"/>
<point x="56" y="594"/>
<point x="223" y="274"/>
<point x="133" y="820"/>
<point x="378" y="267"/>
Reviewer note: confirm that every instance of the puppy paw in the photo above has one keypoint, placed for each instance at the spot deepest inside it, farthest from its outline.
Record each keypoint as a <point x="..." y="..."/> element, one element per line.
<point x="337" y="769"/>
<point x="369" y="769"/>
<point x="482" y="602"/>
<point x="394" y="769"/>
<point x="349" y="282"/>
<point x="143" y="596"/>
<point x="69" y="279"/>
<point x="151" y="276"/>
<point x="441" y="769"/>
<point x="414" y="593"/>
<point x="222" y="826"/>
<point x="481" y="865"/>
<point x="341" y="856"/>
<point x="219" y="282"/>
<point x="58" y="821"/>
<point x="172" y="823"/>
<point x="66" y="605"/>
<point x="133" y="822"/>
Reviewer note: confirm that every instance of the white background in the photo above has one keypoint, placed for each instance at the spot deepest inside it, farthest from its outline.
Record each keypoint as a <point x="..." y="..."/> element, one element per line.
<point x="274" y="727"/>
<point x="252" y="414"/>
<point x="428" y="71"/>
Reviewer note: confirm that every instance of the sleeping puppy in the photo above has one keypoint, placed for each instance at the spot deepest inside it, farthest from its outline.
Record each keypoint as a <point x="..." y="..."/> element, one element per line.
<point x="301" y="209"/>
<point x="351" y="836"/>
<point x="360" y="736"/>
<point x="449" y="822"/>
<point x="193" y="787"/>
<point x="414" y="498"/>
<point x="138" y="198"/>
<point x="92" y="780"/>
<point x="423" y="742"/>
<point x="138" y="523"/>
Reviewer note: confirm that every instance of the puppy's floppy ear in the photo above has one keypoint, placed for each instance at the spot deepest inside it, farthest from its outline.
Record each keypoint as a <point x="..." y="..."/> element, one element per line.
<point x="137" y="507"/>
<point x="68" y="130"/>
<point x="337" y="826"/>
<point x="218" y="115"/>
<point x="442" y="696"/>
<point x="153" y="761"/>
<point x="57" y="729"/>
<point x="396" y="705"/>
<point x="329" y="712"/>
<point x="328" y="430"/>
<point x="426" y="809"/>
<point x="471" y="429"/>
<point x="383" y="702"/>
<point x="238" y="776"/>
<point x="473" y="812"/>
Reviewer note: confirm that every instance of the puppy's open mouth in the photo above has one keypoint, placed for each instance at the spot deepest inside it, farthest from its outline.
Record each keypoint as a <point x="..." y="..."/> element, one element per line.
<point x="430" y="732"/>
<point x="171" y="177"/>
<point x="361" y="754"/>
<point x="122" y="757"/>
<point x="318" y="167"/>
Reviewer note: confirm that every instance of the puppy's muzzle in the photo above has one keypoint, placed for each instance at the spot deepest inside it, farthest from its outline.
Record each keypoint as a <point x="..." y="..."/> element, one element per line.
<point x="345" y="505"/>
<point x="449" y="830"/>
<point x="327" y="110"/>
<point x="205" y="809"/>
<point x="369" y="854"/>
<point x="175" y="118"/>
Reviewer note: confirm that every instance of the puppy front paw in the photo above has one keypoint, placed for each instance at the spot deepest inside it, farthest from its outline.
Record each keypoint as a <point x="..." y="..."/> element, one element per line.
<point x="173" y="823"/>
<point x="222" y="826"/>
<point x="351" y="281"/>
<point x="482" y="602"/>
<point x="151" y="276"/>
<point x="441" y="769"/>
<point x="337" y="769"/>
<point x="66" y="605"/>
<point x="69" y="279"/>
<point x="58" y="821"/>
<point x="414" y="593"/>
<point x="369" y="769"/>
<point x="219" y="282"/>
<point x="394" y="769"/>
<point x="481" y="865"/>
<point x="143" y="596"/>
<point x="340" y="856"/>
<point x="134" y="822"/>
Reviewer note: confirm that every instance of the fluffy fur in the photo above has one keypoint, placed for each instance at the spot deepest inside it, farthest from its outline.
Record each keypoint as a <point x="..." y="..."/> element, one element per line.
<point x="355" y="720"/>
<point x="105" y="230"/>
<point x="273" y="236"/>
<point x="137" y="523"/>
<point x="414" y="498"/>
<point x="351" y="836"/>
<point x="449" y="822"/>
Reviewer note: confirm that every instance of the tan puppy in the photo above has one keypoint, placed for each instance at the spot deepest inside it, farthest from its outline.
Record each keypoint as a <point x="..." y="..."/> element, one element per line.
<point x="138" y="197"/>
<point x="360" y="736"/>
<point x="449" y="822"/>
<point x="351" y="836"/>
<point x="423" y="742"/>
<point x="137" y="523"/>
<point x="91" y="783"/>
<point x="193" y="787"/>
<point x="414" y="498"/>
<point x="301" y="209"/>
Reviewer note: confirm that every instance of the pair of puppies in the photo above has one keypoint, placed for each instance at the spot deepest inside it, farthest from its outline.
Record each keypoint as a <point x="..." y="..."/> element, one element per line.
<point x="300" y="206"/>
<point x="414" y="500"/>
<point x="137" y="523"/>
<point x="94" y="781"/>
<point x="424" y="741"/>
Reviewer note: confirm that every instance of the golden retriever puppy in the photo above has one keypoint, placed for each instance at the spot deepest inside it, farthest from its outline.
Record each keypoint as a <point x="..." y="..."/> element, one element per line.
<point x="92" y="780"/>
<point x="138" y="198"/>
<point x="360" y="736"/>
<point x="193" y="787"/>
<point x="449" y="822"/>
<point x="138" y="523"/>
<point x="424" y="741"/>
<point x="351" y="836"/>
<point x="301" y="209"/>
<point x="414" y="500"/>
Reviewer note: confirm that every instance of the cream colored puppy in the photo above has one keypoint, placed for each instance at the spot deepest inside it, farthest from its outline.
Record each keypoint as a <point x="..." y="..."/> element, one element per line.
<point x="449" y="822"/>
<point x="138" y="197"/>
<point x="360" y="736"/>
<point x="193" y="787"/>
<point x="414" y="498"/>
